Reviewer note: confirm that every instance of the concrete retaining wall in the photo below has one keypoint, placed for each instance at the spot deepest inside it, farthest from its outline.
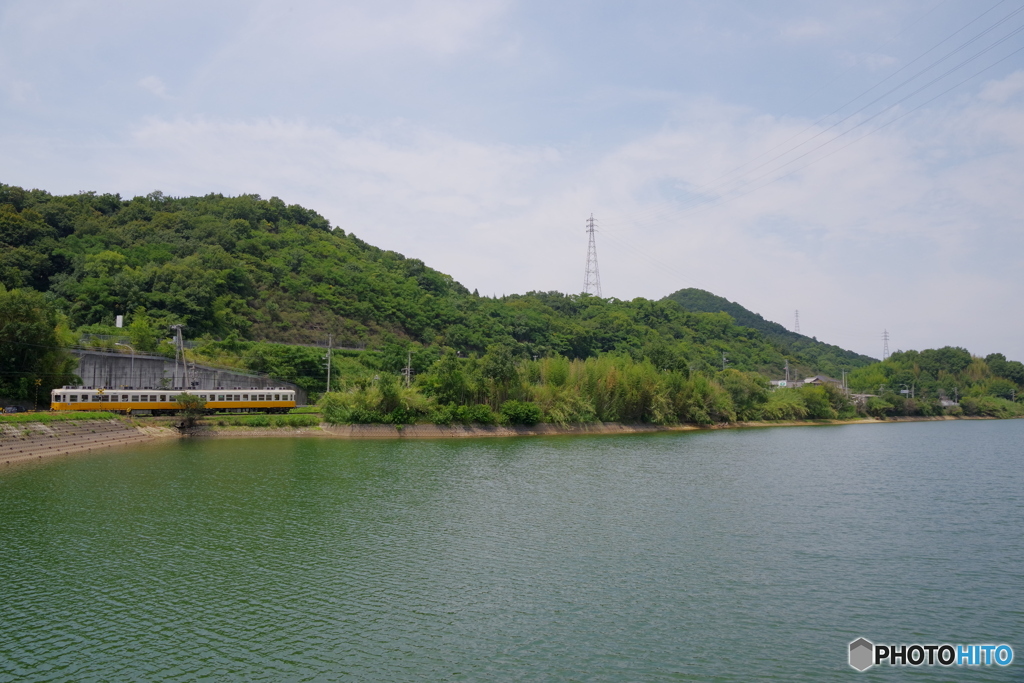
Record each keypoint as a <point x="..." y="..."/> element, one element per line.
<point x="106" y="369"/>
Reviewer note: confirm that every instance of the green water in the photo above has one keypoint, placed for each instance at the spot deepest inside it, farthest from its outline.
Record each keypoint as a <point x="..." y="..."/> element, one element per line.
<point x="729" y="556"/>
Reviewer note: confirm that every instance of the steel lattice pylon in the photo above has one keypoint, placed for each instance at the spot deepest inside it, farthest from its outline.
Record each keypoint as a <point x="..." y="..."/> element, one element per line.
<point x="592" y="279"/>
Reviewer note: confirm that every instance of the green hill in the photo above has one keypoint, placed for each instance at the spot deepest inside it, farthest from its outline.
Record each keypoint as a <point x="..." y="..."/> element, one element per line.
<point x="243" y="273"/>
<point x="814" y="356"/>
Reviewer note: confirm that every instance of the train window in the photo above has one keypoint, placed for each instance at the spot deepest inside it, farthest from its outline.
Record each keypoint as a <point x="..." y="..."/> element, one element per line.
<point x="105" y="398"/>
<point x="220" y="397"/>
<point x="113" y="398"/>
<point x="262" y="397"/>
<point x="135" y="398"/>
<point x="245" y="397"/>
<point x="74" y="398"/>
<point x="163" y="397"/>
<point x="277" y="397"/>
<point x="95" y="398"/>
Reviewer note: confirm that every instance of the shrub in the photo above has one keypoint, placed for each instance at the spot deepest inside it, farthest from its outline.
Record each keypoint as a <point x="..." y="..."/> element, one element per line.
<point x="442" y="415"/>
<point x="819" y="405"/>
<point x="520" y="413"/>
<point x="784" y="404"/>
<point x="480" y="414"/>
<point x="878" y="407"/>
<point x="990" y="406"/>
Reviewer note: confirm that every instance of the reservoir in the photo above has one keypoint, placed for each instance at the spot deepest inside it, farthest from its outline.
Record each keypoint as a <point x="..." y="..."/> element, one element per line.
<point x="731" y="555"/>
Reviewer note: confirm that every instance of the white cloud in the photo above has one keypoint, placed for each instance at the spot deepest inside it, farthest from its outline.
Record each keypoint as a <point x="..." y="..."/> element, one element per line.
<point x="155" y="86"/>
<point x="872" y="61"/>
<point x="913" y="228"/>
<point x="804" y="28"/>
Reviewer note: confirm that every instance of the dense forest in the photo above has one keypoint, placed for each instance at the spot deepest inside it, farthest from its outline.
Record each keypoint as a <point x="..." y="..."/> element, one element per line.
<point x="926" y="382"/>
<point x="244" y="268"/>
<point x="258" y="284"/>
<point x="816" y="356"/>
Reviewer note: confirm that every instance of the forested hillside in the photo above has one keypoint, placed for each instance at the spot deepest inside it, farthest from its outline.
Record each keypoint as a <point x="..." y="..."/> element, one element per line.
<point x="814" y="355"/>
<point x="253" y="280"/>
<point x="245" y="268"/>
<point x="918" y="382"/>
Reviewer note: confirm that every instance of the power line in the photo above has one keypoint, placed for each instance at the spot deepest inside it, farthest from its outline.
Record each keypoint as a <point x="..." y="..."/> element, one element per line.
<point x="741" y="188"/>
<point x="713" y="202"/>
<point x="976" y="37"/>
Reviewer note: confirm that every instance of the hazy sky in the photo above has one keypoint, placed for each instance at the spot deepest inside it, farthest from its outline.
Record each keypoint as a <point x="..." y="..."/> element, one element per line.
<point x="859" y="161"/>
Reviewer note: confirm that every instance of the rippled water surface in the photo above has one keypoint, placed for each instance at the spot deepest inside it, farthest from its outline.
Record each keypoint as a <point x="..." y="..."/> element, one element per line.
<point x="731" y="556"/>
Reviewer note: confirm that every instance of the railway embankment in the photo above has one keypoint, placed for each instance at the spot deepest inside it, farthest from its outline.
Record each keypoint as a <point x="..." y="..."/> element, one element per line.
<point x="26" y="441"/>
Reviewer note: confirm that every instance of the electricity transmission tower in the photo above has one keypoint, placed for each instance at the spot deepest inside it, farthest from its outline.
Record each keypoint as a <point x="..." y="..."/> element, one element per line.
<point x="796" y="325"/>
<point x="592" y="279"/>
<point x="885" y="344"/>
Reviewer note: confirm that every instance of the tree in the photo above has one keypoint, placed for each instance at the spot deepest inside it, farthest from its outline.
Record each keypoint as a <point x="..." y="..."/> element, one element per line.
<point x="499" y="366"/>
<point x="446" y="381"/>
<point x="143" y="334"/>
<point x="190" y="407"/>
<point x="30" y="348"/>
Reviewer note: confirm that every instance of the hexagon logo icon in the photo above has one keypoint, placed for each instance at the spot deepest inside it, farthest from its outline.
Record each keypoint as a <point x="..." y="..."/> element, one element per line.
<point x="862" y="654"/>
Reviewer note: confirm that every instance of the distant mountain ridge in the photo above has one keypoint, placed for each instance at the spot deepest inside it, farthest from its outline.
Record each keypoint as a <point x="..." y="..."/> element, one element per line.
<point x="823" y="356"/>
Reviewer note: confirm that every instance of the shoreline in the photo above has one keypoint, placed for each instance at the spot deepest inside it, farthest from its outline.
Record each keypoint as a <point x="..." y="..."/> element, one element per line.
<point x="35" y="441"/>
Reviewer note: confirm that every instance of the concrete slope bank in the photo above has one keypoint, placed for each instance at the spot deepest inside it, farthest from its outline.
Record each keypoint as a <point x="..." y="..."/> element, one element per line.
<point x="431" y="431"/>
<point x="20" y="442"/>
<point x="23" y="442"/>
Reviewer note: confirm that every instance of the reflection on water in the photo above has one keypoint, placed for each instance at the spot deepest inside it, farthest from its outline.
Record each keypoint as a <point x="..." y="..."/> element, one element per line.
<point x="738" y="555"/>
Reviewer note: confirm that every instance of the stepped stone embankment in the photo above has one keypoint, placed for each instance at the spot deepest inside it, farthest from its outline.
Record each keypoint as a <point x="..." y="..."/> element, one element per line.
<point x="20" y="442"/>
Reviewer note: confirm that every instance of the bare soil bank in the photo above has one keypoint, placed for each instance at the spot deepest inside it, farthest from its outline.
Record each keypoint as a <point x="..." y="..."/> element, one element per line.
<point x="35" y="441"/>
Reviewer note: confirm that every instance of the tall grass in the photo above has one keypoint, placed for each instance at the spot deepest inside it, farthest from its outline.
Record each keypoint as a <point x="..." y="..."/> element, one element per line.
<point x="21" y="418"/>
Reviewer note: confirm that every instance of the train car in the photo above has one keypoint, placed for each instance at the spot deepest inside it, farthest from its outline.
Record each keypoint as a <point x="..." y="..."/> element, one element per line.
<point x="164" y="401"/>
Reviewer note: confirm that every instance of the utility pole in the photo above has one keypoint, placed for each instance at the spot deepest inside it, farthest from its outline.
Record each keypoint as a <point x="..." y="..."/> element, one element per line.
<point x="408" y="369"/>
<point x="592" y="278"/>
<point x="787" y="371"/>
<point x="179" y="352"/>
<point x="844" y="380"/>
<point x="885" y="344"/>
<point x="724" y="360"/>
<point x="330" y="342"/>
<point x="131" y="374"/>
<point x="796" y="325"/>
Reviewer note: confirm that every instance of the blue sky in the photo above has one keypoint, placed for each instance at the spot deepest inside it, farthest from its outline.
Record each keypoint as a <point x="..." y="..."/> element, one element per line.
<point x="861" y="162"/>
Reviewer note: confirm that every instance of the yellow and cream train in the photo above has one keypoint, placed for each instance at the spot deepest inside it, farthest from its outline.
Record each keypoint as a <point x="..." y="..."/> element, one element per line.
<point x="165" y="401"/>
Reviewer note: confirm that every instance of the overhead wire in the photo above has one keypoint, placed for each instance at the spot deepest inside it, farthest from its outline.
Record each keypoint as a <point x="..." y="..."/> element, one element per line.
<point x="738" y="190"/>
<point x="838" y="109"/>
<point x="710" y="184"/>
